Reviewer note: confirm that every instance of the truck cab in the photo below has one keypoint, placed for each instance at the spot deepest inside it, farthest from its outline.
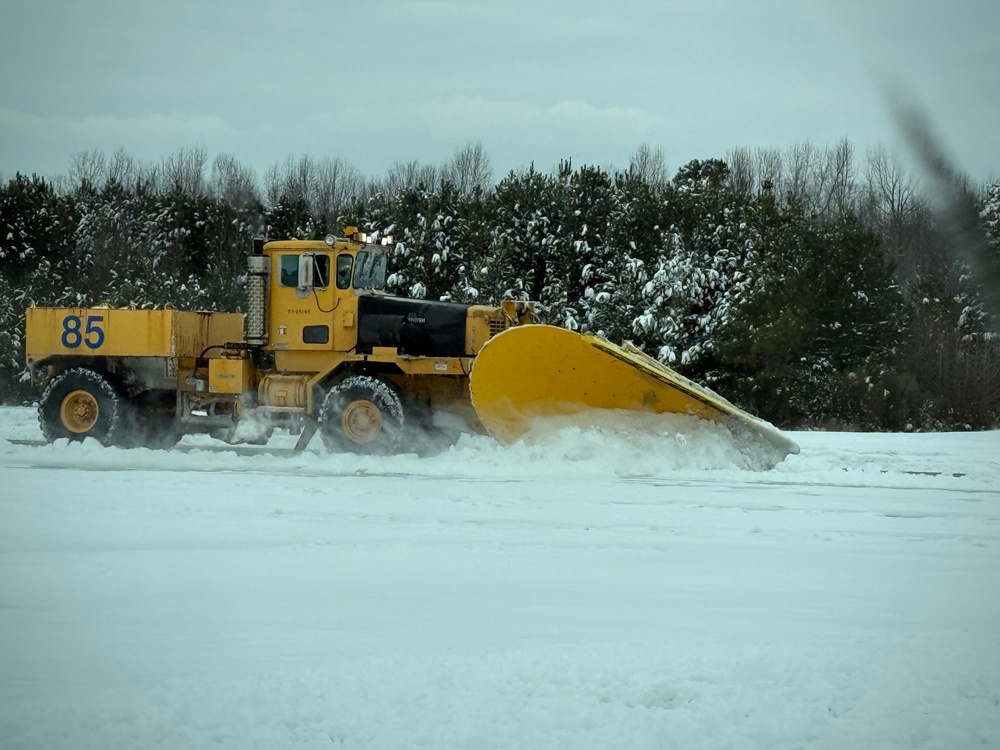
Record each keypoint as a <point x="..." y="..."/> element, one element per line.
<point x="320" y="325"/>
<point x="315" y="288"/>
<point x="310" y="299"/>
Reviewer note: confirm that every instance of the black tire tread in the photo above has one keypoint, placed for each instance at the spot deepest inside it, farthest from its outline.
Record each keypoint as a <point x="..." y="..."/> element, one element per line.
<point x="112" y="422"/>
<point x="368" y="387"/>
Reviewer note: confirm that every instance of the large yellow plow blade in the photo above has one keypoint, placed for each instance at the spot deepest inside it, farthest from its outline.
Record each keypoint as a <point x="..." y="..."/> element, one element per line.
<point x="534" y="372"/>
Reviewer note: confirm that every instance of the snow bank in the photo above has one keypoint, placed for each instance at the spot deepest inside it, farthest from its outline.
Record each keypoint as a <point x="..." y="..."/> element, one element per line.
<point x="664" y="446"/>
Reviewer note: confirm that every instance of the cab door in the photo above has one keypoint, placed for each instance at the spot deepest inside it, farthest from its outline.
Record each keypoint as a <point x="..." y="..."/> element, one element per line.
<point x="345" y="316"/>
<point x="303" y="301"/>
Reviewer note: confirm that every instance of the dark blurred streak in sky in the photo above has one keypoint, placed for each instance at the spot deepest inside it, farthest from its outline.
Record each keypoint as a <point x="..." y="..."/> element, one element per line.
<point x="952" y="194"/>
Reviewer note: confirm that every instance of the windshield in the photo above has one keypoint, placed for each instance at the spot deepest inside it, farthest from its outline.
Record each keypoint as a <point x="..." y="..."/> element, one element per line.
<point x="369" y="270"/>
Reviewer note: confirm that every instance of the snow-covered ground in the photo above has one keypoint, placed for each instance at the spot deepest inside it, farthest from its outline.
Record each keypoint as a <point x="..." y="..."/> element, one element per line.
<point x="591" y="590"/>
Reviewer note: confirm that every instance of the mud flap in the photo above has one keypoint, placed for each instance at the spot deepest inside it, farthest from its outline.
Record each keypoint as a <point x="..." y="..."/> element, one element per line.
<point x="536" y="372"/>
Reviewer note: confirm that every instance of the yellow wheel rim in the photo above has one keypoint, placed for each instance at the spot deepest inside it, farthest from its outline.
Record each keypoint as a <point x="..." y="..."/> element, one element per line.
<point x="362" y="421"/>
<point x="79" y="411"/>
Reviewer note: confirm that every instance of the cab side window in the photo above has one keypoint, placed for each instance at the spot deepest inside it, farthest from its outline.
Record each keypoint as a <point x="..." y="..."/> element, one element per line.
<point x="322" y="278"/>
<point x="288" y="271"/>
<point x="344" y="267"/>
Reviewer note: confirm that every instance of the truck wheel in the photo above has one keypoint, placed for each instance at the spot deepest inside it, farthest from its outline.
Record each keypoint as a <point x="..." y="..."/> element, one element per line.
<point x="362" y="414"/>
<point x="80" y="403"/>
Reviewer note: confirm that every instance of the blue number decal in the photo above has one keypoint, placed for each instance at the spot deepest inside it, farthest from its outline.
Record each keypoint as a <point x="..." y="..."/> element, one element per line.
<point x="92" y="336"/>
<point x="94" y="329"/>
<point x="71" y="336"/>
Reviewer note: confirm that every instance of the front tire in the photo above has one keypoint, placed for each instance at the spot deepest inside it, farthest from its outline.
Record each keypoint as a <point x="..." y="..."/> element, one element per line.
<point x="82" y="403"/>
<point x="362" y="414"/>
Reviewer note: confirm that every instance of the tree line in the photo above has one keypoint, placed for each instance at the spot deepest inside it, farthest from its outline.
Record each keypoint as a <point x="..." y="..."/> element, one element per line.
<point x="813" y="286"/>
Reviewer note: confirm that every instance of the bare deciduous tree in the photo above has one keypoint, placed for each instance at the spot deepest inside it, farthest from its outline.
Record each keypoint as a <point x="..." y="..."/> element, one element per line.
<point x="234" y="183"/>
<point x="469" y="170"/>
<point x="893" y="209"/>
<point x="407" y="175"/>
<point x="742" y="179"/>
<point x="824" y="181"/>
<point x="184" y="171"/>
<point x="892" y="193"/>
<point x="292" y="180"/>
<point x="649" y="164"/>
<point x="87" y="168"/>
<point x="335" y="183"/>
<point x="123" y="168"/>
<point x="838" y="180"/>
<point x="769" y="167"/>
<point x="799" y="180"/>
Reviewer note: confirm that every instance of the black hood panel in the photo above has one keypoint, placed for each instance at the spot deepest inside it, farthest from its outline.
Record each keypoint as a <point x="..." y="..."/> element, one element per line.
<point x="420" y="328"/>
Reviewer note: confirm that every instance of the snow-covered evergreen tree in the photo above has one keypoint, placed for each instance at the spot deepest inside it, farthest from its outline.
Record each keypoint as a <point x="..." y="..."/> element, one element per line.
<point x="634" y="242"/>
<point x="821" y="309"/>
<point x="702" y="268"/>
<point x="429" y="261"/>
<point x="990" y="214"/>
<point x="36" y="224"/>
<point x="581" y="257"/>
<point x="289" y="217"/>
<point x="527" y="204"/>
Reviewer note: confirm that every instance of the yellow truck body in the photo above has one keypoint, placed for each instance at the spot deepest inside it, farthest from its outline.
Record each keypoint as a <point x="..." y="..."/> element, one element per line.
<point x="109" y="332"/>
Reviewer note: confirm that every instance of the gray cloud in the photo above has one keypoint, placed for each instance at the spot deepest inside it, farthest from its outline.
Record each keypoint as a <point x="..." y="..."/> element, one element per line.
<point x="388" y="80"/>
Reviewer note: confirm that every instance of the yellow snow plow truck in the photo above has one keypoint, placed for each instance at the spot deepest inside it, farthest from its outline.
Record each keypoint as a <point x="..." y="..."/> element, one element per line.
<point x="322" y="347"/>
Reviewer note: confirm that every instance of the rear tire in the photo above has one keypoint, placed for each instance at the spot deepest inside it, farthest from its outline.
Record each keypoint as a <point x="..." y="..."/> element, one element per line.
<point x="362" y="414"/>
<point x="82" y="403"/>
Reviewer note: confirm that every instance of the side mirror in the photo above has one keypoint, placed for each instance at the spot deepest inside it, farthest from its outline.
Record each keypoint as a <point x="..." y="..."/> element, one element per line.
<point x="307" y="271"/>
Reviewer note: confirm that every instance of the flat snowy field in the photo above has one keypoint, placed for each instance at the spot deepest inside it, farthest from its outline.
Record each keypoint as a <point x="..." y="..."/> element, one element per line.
<point x="592" y="590"/>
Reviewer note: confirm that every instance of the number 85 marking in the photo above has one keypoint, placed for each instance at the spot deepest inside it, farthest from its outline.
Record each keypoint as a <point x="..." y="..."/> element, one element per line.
<point x="92" y="336"/>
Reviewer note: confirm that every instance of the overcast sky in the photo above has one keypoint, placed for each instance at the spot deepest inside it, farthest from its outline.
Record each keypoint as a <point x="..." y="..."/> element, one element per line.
<point x="380" y="81"/>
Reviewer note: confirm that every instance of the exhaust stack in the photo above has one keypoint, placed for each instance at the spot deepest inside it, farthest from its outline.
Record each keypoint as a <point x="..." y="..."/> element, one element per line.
<point x="258" y="278"/>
